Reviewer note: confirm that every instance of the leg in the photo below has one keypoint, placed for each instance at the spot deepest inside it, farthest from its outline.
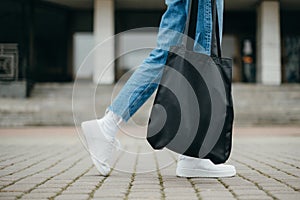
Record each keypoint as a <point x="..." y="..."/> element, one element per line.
<point x="100" y="134"/>
<point x="146" y="78"/>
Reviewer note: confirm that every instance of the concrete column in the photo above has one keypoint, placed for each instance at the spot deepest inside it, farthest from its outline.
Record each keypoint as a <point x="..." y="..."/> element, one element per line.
<point x="104" y="27"/>
<point x="268" y="43"/>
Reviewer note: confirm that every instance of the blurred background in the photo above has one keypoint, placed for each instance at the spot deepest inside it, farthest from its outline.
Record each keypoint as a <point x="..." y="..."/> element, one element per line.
<point x="44" y="42"/>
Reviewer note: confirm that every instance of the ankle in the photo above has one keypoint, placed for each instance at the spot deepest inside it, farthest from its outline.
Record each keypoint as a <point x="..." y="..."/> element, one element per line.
<point x="110" y="124"/>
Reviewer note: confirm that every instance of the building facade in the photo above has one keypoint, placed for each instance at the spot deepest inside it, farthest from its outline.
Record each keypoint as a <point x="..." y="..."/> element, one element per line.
<point x="54" y="37"/>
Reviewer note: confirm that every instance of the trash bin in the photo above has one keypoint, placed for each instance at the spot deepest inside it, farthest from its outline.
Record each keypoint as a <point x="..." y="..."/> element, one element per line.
<point x="10" y="84"/>
<point x="9" y="66"/>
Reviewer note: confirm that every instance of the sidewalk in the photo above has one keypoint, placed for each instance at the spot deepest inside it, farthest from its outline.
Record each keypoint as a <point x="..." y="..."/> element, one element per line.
<point x="51" y="163"/>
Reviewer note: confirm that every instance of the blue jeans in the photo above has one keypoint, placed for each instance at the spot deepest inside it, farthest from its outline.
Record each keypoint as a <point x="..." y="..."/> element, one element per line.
<point x="145" y="79"/>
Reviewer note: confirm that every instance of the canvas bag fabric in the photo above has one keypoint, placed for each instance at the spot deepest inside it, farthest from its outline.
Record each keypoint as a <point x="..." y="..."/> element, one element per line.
<point x="193" y="112"/>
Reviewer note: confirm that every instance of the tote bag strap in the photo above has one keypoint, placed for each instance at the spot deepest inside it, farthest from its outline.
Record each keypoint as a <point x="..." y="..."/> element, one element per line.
<point x="192" y="24"/>
<point x="216" y="49"/>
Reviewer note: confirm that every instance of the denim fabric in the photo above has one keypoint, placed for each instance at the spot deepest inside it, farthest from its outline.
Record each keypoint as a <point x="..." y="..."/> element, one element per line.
<point x="145" y="79"/>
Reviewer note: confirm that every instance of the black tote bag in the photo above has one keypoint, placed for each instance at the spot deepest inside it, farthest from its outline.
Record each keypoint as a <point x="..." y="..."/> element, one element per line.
<point x="192" y="112"/>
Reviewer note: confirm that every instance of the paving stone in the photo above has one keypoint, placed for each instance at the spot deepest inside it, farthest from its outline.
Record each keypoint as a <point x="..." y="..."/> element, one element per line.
<point x="181" y="197"/>
<point x="52" y="185"/>
<point x="9" y="194"/>
<point x="106" y="195"/>
<point x="218" y="198"/>
<point x="261" y="174"/>
<point x="279" y="190"/>
<point x="179" y="190"/>
<point x="255" y="197"/>
<point x="107" y="198"/>
<point x="42" y="190"/>
<point x="38" y="195"/>
<point x="248" y="192"/>
<point x="19" y="187"/>
<point x="141" y="194"/>
<point x="142" y="186"/>
<point x="8" y="198"/>
<point x="288" y="196"/>
<point x="242" y="187"/>
<point x="223" y="193"/>
<point x="72" y="197"/>
<point x="76" y="191"/>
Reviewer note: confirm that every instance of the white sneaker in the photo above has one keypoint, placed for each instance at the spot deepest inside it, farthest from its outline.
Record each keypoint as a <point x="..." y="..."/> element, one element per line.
<point x="100" y="146"/>
<point x="195" y="167"/>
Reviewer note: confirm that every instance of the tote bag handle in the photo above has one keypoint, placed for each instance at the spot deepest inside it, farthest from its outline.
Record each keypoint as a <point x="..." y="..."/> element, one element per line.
<point x="191" y="28"/>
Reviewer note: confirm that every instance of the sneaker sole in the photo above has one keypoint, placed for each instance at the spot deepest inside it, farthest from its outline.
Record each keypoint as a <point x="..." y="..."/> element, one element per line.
<point x="199" y="173"/>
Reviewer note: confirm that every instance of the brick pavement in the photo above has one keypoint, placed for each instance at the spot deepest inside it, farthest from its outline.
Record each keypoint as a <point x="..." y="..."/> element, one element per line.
<point x="51" y="163"/>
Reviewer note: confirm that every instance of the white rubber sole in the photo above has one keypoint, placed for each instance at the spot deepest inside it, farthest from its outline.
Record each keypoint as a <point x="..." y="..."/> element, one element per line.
<point x="200" y="173"/>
